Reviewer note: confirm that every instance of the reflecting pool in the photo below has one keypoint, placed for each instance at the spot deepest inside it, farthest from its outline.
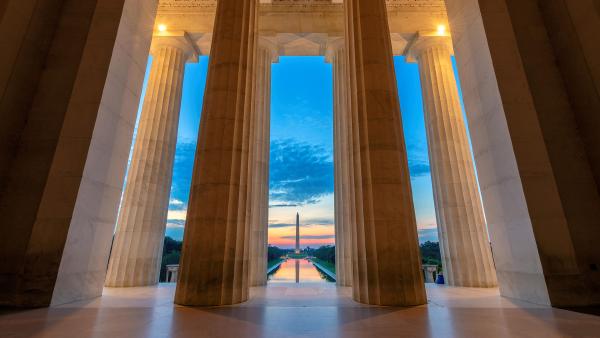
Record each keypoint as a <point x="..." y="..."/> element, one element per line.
<point x="298" y="271"/>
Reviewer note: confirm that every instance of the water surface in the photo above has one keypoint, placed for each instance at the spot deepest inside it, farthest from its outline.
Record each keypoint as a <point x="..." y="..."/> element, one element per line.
<point x="298" y="271"/>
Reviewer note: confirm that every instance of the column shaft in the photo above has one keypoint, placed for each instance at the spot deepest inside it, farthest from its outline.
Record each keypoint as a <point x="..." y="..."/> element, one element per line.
<point x="214" y="262"/>
<point x="347" y="160"/>
<point x="386" y="262"/>
<point x="138" y="242"/>
<point x="264" y="168"/>
<point x="68" y="77"/>
<point x="464" y="244"/>
<point x="337" y="178"/>
<point x="258" y="203"/>
<point x="343" y="186"/>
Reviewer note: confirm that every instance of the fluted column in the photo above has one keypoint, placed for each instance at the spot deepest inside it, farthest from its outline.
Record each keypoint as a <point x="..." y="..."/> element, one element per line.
<point x="343" y="186"/>
<point x="259" y="161"/>
<point x="464" y="245"/>
<point x="214" y="261"/>
<point x="386" y="262"/>
<point x="138" y="242"/>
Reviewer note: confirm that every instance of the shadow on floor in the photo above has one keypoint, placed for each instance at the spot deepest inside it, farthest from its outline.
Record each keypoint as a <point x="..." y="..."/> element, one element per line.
<point x="588" y="310"/>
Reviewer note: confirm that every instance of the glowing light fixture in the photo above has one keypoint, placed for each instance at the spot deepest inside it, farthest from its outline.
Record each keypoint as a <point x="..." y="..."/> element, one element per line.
<point x="441" y="29"/>
<point x="162" y="28"/>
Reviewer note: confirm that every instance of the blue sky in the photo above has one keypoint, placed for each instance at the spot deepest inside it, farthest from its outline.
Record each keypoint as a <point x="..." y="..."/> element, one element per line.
<point x="301" y="168"/>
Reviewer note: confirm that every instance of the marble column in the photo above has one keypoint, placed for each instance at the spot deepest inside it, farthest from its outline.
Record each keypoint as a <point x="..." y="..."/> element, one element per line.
<point x="343" y="188"/>
<point x="214" y="261"/>
<point x="70" y="77"/>
<point x="386" y="263"/>
<point x="523" y="98"/>
<point x="138" y="242"/>
<point x="258" y="205"/>
<point x="464" y="245"/>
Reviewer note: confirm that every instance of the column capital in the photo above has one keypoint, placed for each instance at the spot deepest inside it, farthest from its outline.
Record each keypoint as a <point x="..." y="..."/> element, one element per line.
<point x="399" y="43"/>
<point x="333" y="46"/>
<point x="176" y="39"/>
<point x="425" y="40"/>
<point x="271" y="46"/>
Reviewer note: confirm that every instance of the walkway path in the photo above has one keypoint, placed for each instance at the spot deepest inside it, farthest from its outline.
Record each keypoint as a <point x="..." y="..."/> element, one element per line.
<point x="299" y="310"/>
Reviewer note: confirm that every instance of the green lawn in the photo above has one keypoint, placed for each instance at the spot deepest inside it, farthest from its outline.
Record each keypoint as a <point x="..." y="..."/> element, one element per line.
<point x="328" y="265"/>
<point x="273" y="262"/>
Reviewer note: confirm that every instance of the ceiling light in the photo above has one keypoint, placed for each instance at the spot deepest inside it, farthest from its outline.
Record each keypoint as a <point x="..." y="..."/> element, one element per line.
<point x="441" y="29"/>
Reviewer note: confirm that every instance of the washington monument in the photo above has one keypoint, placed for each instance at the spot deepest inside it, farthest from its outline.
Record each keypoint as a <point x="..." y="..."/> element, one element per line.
<point x="297" y="233"/>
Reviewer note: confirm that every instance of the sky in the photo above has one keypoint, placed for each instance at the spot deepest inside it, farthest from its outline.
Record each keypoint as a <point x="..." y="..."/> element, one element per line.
<point x="301" y="164"/>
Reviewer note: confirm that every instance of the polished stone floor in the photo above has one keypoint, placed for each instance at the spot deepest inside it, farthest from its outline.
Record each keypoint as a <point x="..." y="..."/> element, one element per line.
<point x="299" y="310"/>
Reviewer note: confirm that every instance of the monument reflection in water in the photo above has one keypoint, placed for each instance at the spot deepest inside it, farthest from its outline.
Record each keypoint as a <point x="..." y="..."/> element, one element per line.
<point x="298" y="271"/>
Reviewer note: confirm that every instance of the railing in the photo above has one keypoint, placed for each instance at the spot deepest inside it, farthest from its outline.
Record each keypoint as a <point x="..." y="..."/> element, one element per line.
<point x="429" y="273"/>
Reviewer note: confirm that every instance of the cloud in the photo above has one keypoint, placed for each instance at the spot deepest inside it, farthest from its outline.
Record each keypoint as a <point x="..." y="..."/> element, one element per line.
<point x="427" y="235"/>
<point x="175" y="223"/>
<point x="418" y="160"/>
<point x="300" y="173"/>
<point x="182" y="175"/>
<point x="175" y="202"/>
<point x="177" y="214"/>
<point x="310" y="237"/>
<point x="180" y="188"/>
<point x="418" y="168"/>
<point x="427" y="225"/>
<point x="281" y="225"/>
<point x="304" y="222"/>
<point x="319" y="221"/>
<point x="282" y="205"/>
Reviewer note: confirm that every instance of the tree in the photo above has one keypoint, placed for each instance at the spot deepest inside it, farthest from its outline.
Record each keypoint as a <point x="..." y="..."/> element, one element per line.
<point x="171" y="245"/>
<point x="171" y="255"/>
<point x="325" y="253"/>
<point x="274" y="252"/>
<point x="430" y="253"/>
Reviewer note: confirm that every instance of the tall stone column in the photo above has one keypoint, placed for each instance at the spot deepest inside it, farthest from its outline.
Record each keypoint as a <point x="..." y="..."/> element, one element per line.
<point x="464" y="245"/>
<point x="65" y="137"/>
<point x="138" y="242"/>
<point x="386" y="263"/>
<point x="525" y="96"/>
<point x="343" y="187"/>
<point x="259" y="161"/>
<point x="214" y="261"/>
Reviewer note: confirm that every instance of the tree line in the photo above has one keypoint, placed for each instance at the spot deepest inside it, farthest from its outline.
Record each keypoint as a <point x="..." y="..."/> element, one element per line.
<point x="430" y="254"/>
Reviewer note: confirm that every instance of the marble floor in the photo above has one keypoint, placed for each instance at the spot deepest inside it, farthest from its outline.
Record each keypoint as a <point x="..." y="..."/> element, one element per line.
<point x="298" y="310"/>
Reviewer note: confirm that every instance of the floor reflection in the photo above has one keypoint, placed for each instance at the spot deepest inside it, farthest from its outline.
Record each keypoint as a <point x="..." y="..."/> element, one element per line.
<point x="298" y="310"/>
<point x="298" y="271"/>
